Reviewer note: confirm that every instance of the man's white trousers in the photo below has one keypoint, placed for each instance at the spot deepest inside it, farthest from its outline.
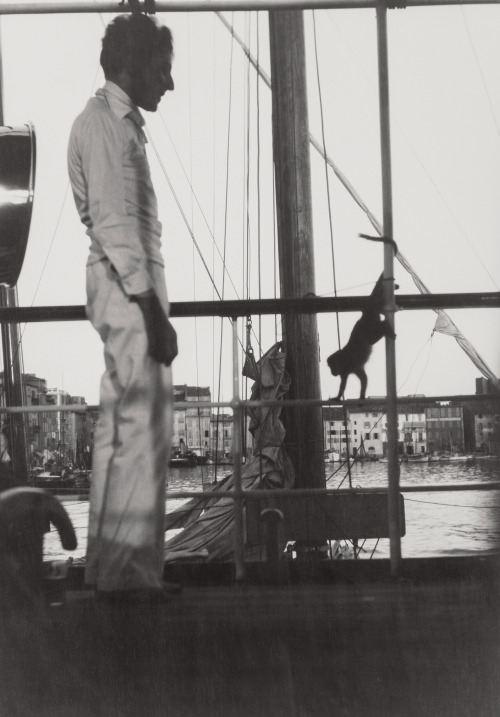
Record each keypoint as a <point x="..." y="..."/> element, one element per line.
<point x="132" y="441"/>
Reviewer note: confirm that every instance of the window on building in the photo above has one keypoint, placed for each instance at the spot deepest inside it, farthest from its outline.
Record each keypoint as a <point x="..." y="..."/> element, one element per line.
<point x="375" y="436"/>
<point x="367" y="436"/>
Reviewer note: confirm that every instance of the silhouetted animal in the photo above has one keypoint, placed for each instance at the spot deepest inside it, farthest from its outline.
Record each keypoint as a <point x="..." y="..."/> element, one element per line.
<point x="369" y="329"/>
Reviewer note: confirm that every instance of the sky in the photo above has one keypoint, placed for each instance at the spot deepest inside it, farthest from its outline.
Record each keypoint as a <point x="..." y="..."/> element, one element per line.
<point x="210" y="154"/>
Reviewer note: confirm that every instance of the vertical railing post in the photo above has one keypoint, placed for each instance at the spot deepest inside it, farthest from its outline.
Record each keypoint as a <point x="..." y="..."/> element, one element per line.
<point x="389" y="308"/>
<point x="239" y="562"/>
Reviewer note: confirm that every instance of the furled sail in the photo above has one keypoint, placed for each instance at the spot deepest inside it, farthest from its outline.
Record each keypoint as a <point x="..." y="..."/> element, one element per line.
<point x="445" y="325"/>
<point x="209" y="526"/>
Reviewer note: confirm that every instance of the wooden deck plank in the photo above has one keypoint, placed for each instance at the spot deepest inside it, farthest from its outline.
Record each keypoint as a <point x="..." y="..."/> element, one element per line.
<point x="356" y="648"/>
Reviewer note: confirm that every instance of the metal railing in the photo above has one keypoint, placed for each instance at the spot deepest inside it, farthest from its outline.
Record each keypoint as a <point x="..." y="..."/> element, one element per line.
<point x="238" y="405"/>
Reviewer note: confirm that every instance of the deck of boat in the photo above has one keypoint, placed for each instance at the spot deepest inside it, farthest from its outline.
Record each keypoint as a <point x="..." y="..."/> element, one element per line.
<point x="342" y="640"/>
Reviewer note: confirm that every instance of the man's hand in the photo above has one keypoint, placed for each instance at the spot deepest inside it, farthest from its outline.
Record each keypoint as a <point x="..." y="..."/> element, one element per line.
<point x="162" y="338"/>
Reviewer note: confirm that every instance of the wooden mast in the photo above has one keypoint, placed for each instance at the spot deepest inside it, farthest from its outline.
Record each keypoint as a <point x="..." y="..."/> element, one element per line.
<point x="304" y="426"/>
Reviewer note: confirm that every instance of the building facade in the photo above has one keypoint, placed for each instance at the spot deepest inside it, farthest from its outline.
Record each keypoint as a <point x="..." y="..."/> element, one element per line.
<point x="192" y="426"/>
<point x="368" y="432"/>
<point x="412" y="429"/>
<point x="450" y="428"/>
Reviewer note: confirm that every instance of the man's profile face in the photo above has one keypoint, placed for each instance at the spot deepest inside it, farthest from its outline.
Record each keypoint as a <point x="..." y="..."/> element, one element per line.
<point x="151" y="82"/>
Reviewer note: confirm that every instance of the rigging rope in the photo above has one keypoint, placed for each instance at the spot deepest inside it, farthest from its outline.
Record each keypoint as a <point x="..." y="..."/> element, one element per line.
<point x="481" y="73"/>
<point x="330" y="221"/>
<point x="219" y="388"/>
<point x="212" y="233"/>
<point x="18" y="348"/>
<point x="429" y="341"/>
<point x="453" y="505"/>
<point x="453" y="329"/>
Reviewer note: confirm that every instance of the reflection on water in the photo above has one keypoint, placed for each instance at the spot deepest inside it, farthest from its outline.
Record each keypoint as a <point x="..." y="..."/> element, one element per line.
<point x="445" y="523"/>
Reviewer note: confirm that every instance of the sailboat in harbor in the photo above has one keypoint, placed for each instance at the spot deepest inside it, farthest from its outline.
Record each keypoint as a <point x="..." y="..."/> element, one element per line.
<point x="292" y="139"/>
<point x="278" y="635"/>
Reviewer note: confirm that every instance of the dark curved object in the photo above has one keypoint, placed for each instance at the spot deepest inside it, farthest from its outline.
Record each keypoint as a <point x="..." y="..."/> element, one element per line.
<point x="25" y="516"/>
<point x="17" y="184"/>
<point x="17" y="504"/>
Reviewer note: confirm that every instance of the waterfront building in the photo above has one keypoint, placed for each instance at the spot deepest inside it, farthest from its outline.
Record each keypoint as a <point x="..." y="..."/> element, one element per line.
<point x="80" y="451"/>
<point x="485" y="385"/>
<point x="221" y="434"/>
<point x="368" y="432"/>
<point x="191" y="426"/>
<point x="35" y="391"/>
<point x="449" y="428"/>
<point x="61" y="434"/>
<point x="487" y="433"/>
<point x="487" y="418"/>
<point x="335" y="434"/>
<point x="413" y="432"/>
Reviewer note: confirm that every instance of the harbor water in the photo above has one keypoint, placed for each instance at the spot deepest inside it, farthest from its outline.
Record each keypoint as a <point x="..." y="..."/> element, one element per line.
<point x="437" y="523"/>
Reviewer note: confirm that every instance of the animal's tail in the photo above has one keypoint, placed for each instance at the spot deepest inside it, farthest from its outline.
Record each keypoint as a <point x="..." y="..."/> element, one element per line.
<point x="385" y="240"/>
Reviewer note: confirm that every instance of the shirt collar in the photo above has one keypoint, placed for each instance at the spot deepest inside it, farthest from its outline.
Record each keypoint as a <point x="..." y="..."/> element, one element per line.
<point x="120" y="103"/>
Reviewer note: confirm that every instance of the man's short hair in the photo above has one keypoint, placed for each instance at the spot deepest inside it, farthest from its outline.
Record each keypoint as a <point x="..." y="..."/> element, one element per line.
<point x="133" y="40"/>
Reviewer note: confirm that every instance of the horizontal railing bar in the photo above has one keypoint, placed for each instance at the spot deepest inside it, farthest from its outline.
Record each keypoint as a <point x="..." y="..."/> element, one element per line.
<point x="251" y="307"/>
<point x="318" y="492"/>
<point x="444" y="487"/>
<point x="32" y="8"/>
<point x="305" y="492"/>
<point x="82" y="408"/>
<point x="370" y="403"/>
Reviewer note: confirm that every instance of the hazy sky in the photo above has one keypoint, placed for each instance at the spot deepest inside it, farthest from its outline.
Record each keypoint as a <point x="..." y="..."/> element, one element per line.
<point x="213" y="133"/>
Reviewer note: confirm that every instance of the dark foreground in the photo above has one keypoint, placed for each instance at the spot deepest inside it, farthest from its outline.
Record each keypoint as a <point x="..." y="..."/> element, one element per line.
<point x="331" y="641"/>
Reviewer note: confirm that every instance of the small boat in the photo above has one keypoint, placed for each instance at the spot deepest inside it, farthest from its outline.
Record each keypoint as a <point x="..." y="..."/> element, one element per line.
<point x="416" y="458"/>
<point x="466" y="457"/>
<point x="456" y="457"/>
<point x="332" y="457"/>
<point x="179" y="462"/>
<point x="54" y="482"/>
